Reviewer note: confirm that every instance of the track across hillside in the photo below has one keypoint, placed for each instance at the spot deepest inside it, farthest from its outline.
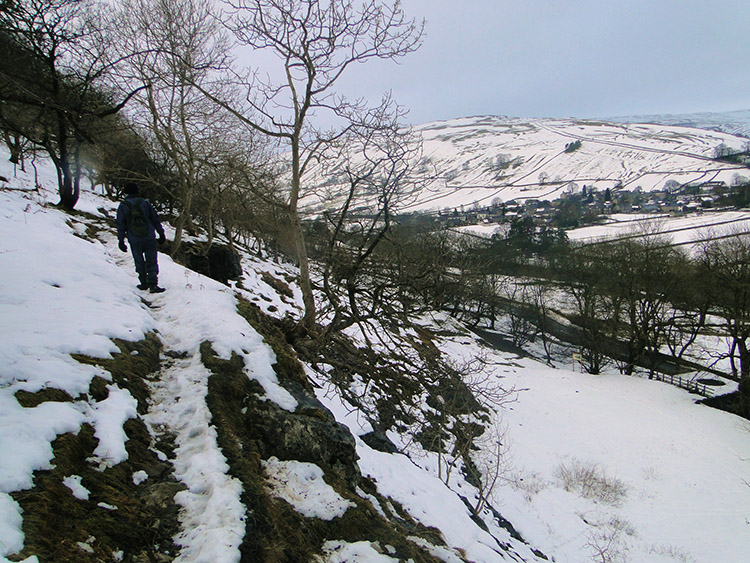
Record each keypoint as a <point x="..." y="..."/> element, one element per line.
<point x="704" y="231"/>
<point x="542" y="125"/>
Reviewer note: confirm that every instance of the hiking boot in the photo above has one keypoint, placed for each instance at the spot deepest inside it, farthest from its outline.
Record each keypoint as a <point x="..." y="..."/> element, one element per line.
<point x="142" y="286"/>
<point x="156" y="289"/>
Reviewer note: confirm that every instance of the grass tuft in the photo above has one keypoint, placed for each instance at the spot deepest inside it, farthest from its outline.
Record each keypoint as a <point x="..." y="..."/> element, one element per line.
<point x="590" y="481"/>
<point x="119" y="520"/>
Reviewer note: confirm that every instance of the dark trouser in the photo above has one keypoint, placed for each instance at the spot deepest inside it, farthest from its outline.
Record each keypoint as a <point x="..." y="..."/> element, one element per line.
<point x="146" y="265"/>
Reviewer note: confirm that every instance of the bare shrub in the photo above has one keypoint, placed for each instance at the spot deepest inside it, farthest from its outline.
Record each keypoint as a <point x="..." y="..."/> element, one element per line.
<point x="673" y="552"/>
<point x="607" y="540"/>
<point x="590" y="481"/>
<point x="492" y="462"/>
<point x="529" y="484"/>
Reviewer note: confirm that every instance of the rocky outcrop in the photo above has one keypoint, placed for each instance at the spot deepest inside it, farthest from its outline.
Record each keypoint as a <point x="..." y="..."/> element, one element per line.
<point x="219" y="262"/>
<point x="252" y="429"/>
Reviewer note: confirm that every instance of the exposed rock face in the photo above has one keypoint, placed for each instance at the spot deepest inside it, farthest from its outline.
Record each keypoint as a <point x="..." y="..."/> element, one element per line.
<point x="221" y="262"/>
<point x="311" y="434"/>
<point x="251" y="429"/>
<point x="377" y="440"/>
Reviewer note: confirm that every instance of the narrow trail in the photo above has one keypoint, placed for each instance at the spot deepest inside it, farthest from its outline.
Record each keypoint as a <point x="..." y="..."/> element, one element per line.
<point x="211" y="515"/>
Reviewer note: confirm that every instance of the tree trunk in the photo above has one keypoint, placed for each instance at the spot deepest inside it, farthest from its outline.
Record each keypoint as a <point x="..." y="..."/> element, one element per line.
<point x="308" y="320"/>
<point x="183" y="220"/>
<point x="68" y="188"/>
<point x="744" y="387"/>
<point x="298" y="238"/>
<point x="178" y="230"/>
<point x="15" y="148"/>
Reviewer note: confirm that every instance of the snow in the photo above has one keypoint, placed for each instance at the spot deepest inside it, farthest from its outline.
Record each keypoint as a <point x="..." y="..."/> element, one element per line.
<point x="73" y="482"/>
<point x="483" y="230"/>
<point x="362" y="552"/>
<point x="11" y="536"/>
<point x="80" y="293"/>
<point x="301" y="484"/>
<point x="734" y="122"/>
<point x="681" y="470"/>
<point x="427" y="500"/>
<point x="212" y="515"/>
<point x="684" y="468"/>
<point x="198" y="309"/>
<point x="679" y="230"/>
<point x="108" y="417"/>
<point x="62" y="294"/>
<point x="25" y="438"/>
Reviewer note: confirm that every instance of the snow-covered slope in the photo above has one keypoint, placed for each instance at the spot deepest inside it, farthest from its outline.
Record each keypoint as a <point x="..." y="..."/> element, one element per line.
<point x="480" y="159"/>
<point x="592" y="468"/>
<point x="62" y="293"/>
<point x="68" y="301"/>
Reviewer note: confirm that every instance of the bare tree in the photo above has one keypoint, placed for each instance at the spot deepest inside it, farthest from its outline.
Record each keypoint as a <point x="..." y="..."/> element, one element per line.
<point x="418" y="270"/>
<point x="315" y="43"/>
<point x="690" y="302"/>
<point x="17" y="66"/>
<point x="51" y="81"/>
<point x="519" y="298"/>
<point x="177" y="50"/>
<point x="376" y="168"/>
<point x="643" y="277"/>
<point x="491" y="462"/>
<point x="541" y="296"/>
<point x="726" y="263"/>
<point x="584" y="277"/>
<point x="238" y="191"/>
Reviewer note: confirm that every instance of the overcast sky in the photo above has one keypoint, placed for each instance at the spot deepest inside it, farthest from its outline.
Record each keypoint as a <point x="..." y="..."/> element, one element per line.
<point x="568" y="58"/>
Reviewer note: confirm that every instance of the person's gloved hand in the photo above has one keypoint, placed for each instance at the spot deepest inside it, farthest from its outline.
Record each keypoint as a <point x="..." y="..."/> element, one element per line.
<point x="162" y="238"/>
<point x="122" y="246"/>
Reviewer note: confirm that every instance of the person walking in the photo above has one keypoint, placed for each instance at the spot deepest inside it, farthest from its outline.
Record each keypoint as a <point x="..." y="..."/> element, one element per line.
<point x="138" y="221"/>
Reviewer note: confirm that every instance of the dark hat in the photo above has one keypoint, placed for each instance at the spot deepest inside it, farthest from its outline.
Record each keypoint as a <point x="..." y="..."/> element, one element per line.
<point x="131" y="188"/>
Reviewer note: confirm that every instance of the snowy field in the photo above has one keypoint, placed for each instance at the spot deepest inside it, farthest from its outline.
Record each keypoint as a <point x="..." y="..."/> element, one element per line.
<point x="687" y="231"/>
<point x="594" y="468"/>
<point x="680" y="230"/>
<point x="655" y="476"/>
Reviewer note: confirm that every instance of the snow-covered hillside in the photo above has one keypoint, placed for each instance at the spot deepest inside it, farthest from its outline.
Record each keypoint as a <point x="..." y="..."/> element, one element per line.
<point x="591" y="468"/>
<point x="478" y="160"/>
<point x="732" y="122"/>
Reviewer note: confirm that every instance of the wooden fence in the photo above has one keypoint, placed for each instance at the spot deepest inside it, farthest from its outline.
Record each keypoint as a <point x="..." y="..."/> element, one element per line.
<point x="689" y="384"/>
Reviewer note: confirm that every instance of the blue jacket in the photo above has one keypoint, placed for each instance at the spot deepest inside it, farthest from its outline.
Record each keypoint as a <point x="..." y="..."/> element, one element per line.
<point x="123" y="218"/>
